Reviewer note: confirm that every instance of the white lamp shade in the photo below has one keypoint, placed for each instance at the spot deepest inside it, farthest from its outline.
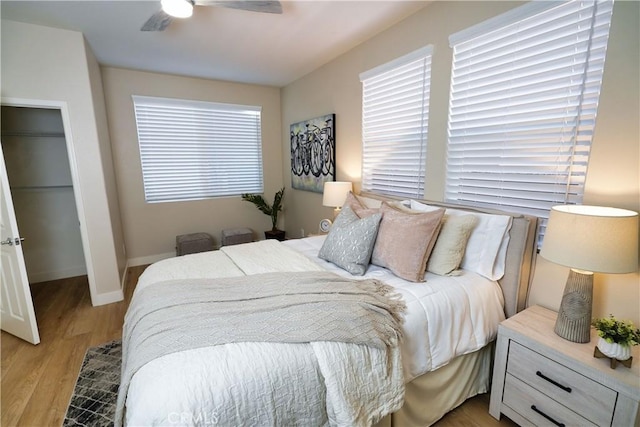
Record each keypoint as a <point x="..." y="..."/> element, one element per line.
<point x="335" y="193"/>
<point x="177" y="8"/>
<point x="592" y="238"/>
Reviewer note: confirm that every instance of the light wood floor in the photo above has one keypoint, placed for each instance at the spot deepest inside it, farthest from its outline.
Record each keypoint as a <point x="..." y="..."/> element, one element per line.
<point x="37" y="381"/>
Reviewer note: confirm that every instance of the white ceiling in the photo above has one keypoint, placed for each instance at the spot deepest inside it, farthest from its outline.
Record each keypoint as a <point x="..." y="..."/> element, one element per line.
<point x="216" y="42"/>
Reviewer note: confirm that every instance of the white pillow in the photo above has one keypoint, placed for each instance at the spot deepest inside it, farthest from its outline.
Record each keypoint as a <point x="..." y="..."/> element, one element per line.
<point x="486" y="250"/>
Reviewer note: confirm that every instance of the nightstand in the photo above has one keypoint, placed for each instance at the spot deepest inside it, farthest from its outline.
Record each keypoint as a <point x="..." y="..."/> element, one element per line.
<point x="541" y="379"/>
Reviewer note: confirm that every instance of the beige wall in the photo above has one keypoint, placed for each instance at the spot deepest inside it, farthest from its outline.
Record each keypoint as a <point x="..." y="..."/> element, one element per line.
<point x="336" y="88"/>
<point x="613" y="176"/>
<point x="40" y="63"/>
<point x="151" y="228"/>
<point x="97" y="94"/>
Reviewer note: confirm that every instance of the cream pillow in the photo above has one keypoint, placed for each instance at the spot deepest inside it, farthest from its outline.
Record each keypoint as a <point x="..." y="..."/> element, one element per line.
<point x="451" y="244"/>
<point x="405" y="241"/>
<point x="486" y="250"/>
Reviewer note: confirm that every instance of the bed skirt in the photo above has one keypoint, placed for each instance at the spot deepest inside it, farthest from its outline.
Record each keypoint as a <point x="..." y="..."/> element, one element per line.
<point x="430" y="396"/>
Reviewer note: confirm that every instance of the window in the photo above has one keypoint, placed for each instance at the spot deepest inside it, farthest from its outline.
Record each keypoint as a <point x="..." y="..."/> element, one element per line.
<point x="194" y="150"/>
<point x="523" y="102"/>
<point x="395" y="112"/>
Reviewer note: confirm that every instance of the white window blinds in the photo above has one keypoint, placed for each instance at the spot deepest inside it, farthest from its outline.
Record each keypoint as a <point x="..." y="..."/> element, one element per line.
<point x="194" y="150"/>
<point x="523" y="102"/>
<point x="395" y="112"/>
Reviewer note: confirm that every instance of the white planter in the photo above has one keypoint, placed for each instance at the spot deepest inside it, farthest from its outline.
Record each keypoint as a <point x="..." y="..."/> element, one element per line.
<point x="614" y="350"/>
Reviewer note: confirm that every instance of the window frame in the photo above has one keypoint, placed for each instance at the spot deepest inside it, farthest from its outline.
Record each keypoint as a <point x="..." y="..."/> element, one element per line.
<point x="194" y="150"/>
<point x="387" y="167"/>
<point x="507" y="189"/>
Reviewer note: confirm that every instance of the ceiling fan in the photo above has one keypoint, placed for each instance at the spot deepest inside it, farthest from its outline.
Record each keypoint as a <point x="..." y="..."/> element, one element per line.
<point x="184" y="9"/>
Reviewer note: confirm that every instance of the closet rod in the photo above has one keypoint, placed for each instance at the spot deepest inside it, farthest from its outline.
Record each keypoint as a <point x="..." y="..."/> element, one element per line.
<point x="40" y="187"/>
<point x="33" y="134"/>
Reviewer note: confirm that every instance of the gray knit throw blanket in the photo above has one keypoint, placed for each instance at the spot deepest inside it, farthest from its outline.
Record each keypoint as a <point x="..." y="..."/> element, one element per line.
<point x="180" y="315"/>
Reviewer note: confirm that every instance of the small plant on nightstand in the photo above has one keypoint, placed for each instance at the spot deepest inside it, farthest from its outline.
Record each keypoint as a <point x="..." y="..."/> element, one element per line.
<point x="616" y="339"/>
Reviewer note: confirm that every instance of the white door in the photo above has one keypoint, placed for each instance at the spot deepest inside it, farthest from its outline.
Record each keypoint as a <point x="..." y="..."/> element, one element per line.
<point x="18" y="316"/>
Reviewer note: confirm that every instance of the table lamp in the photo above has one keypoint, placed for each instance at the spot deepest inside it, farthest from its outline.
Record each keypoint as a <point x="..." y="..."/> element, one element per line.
<point x="335" y="193"/>
<point x="588" y="239"/>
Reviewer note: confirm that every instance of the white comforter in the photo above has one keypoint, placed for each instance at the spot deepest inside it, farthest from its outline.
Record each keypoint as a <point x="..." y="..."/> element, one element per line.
<point x="447" y="317"/>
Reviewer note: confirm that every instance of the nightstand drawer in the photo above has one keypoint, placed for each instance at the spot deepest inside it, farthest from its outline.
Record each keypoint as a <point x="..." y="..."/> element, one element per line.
<point x="577" y="392"/>
<point x="538" y="408"/>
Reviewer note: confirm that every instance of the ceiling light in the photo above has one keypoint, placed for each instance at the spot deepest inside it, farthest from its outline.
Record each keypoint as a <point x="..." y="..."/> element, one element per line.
<point x="177" y="8"/>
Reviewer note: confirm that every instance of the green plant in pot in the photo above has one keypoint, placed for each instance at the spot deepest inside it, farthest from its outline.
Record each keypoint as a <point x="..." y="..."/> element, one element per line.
<point x="616" y="338"/>
<point x="270" y="210"/>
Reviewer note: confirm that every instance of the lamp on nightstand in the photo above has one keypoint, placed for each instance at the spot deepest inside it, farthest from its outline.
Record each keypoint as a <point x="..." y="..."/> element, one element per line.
<point x="335" y="193"/>
<point x="588" y="239"/>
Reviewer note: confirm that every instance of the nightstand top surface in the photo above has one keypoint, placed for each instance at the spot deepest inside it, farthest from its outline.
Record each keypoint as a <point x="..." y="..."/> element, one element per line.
<point x="536" y="324"/>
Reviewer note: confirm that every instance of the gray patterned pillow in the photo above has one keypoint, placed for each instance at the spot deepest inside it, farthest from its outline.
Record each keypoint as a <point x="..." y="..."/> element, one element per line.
<point x="350" y="241"/>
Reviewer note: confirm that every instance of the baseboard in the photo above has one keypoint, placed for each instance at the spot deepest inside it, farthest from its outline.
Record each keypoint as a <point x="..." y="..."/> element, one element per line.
<point x="123" y="279"/>
<point x="150" y="259"/>
<point x="45" y="276"/>
<point x="107" y="298"/>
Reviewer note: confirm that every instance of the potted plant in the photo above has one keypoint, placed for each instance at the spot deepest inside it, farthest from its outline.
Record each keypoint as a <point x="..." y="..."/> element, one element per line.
<point x="616" y="337"/>
<point x="270" y="210"/>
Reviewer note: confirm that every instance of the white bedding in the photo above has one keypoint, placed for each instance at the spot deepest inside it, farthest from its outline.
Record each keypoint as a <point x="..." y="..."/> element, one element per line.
<point x="446" y="317"/>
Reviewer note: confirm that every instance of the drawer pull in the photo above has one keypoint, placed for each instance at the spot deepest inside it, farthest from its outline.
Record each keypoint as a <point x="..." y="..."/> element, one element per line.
<point x="555" y="383"/>
<point x="559" y="424"/>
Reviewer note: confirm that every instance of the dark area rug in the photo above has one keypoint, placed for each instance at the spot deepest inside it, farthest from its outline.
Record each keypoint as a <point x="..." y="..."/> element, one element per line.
<point x="93" y="402"/>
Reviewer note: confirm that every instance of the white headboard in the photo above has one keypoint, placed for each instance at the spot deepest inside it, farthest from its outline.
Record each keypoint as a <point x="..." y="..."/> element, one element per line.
<point x="520" y="252"/>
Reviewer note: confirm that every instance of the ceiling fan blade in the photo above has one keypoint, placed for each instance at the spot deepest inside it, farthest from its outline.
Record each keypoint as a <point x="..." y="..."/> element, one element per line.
<point x="158" y="22"/>
<point x="250" y="5"/>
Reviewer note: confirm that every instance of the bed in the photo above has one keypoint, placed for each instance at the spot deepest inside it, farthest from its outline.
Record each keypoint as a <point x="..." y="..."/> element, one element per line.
<point x="448" y="326"/>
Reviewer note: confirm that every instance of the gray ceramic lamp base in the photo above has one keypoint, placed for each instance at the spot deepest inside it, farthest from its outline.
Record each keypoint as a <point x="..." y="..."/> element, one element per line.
<point x="574" y="316"/>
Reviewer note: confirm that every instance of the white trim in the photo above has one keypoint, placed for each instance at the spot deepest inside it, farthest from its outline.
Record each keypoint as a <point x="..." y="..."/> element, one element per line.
<point x="73" y="165"/>
<point x="412" y="56"/>
<point x="507" y="18"/>
<point x="123" y="279"/>
<point x="149" y="259"/>
<point x="187" y="103"/>
<point x="107" y="298"/>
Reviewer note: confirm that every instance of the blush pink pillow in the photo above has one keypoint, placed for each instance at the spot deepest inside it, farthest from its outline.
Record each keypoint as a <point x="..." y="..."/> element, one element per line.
<point x="405" y="241"/>
<point x="358" y="207"/>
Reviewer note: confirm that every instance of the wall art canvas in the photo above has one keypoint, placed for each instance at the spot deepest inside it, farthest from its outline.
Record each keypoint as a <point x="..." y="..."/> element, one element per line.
<point x="313" y="153"/>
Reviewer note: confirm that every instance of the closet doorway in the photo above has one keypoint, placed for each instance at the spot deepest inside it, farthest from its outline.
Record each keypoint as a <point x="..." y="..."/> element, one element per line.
<point x="37" y="161"/>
